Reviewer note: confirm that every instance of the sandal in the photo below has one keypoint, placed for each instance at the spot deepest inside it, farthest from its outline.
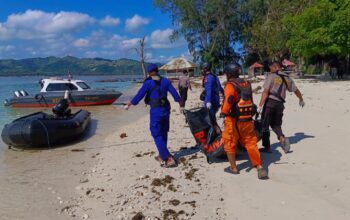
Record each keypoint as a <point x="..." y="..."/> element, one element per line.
<point x="170" y="163"/>
<point x="262" y="174"/>
<point x="228" y="170"/>
<point x="286" y="145"/>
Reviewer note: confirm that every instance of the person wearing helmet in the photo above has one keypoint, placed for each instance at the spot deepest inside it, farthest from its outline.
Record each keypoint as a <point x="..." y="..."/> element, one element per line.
<point x="238" y="111"/>
<point x="272" y="105"/>
<point x="212" y="89"/>
<point x="155" y="89"/>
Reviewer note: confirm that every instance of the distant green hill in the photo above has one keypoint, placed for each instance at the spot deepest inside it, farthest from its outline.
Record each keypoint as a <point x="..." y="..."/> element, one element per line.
<point x="76" y="66"/>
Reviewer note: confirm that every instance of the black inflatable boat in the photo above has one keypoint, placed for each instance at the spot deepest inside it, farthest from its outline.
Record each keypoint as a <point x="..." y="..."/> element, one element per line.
<point x="44" y="130"/>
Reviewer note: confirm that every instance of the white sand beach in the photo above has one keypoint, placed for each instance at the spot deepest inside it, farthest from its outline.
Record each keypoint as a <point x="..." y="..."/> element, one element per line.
<point x="118" y="178"/>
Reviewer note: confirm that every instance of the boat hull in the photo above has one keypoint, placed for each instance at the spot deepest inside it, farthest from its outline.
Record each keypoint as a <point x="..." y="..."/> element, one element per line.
<point x="43" y="130"/>
<point x="77" y="98"/>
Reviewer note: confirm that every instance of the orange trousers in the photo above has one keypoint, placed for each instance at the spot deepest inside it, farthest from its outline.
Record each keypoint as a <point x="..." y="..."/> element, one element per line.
<point x="245" y="135"/>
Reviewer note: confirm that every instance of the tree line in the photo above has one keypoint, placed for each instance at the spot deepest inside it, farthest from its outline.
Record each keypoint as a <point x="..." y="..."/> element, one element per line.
<point x="313" y="33"/>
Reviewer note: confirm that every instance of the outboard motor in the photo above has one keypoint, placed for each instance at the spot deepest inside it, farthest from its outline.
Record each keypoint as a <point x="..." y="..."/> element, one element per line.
<point x="24" y="93"/>
<point x="17" y="94"/>
<point x="61" y="109"/>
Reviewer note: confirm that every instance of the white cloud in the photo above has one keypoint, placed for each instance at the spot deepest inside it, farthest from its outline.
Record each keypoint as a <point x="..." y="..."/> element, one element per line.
<point x="149" y="56"/>
<point x="187" y="55"/>
<point x="7" y="48"/>
<point x="37" y="33"/>
<point x="110" y="21"/>
<point x="160" y="39"/>
<point x="36" y="24"/>
<point x="132" y="24"/>
<point x="130" y="43"/>
<point x="81" y="42"/>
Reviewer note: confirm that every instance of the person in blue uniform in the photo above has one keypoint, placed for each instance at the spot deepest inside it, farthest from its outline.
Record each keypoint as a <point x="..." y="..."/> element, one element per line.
<point x="212" y="89"/>
<point x="155" y="89"/>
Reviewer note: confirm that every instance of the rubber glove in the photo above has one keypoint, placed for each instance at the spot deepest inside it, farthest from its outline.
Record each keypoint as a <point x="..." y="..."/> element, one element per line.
<point x="208" y="105"/>
<point x="127" y="106"/>
<point x="301" y="103"/>
<point x="182" y="110"/>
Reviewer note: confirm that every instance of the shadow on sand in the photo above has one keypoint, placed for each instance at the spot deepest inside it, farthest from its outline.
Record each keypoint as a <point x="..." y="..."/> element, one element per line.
<point x="275" y="156"/>
<point x="271" y="158"/>
<point x="186" y="151"/>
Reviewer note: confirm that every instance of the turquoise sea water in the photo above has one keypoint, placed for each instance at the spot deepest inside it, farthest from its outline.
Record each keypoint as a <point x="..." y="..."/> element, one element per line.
<point x="30" y="83"/>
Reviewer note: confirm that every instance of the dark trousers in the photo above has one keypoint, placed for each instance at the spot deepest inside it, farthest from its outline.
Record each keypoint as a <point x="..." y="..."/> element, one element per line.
<point x="272" y="117"/>
<point x="183" y="93"/>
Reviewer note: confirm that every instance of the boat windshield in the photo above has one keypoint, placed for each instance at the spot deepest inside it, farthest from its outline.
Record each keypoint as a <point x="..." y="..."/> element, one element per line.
<point x="61" y="87"/>
<point x="83" y="85"/>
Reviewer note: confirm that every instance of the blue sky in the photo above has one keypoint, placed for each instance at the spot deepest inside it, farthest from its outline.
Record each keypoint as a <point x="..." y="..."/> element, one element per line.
<point x="85" y="28"/>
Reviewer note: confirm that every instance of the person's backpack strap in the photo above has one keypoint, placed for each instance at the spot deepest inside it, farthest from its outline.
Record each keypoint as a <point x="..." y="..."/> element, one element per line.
<point x="279" y="91"/>
<point x="284" y="80"/>
<point x="156" y="86"/>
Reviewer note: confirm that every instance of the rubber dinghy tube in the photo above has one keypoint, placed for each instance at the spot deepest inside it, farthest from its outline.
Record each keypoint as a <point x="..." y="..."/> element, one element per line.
<point x="46" y="131"/>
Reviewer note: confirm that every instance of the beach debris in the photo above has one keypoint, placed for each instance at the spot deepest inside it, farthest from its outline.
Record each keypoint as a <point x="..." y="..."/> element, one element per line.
<point x="123" y="135"/>
<point x="193" y="157"/>
<point x="171" y="187"/>
<point x="69" y="209"/>
<point x="156" y="182"/>
<point x="95" y="155"/>
<point x="183" y="161"/>
<point x="191" y="203"/>
<point x="88" y="192"/>
<point x="124" y="201"/>
<point x="85" y="216"/>
<point x="168" y="179"/>
<point x="138" y="216"/>
<point x="189" y="175"/>
<point x="151" y="153"/>
<point x="77" y="150"/>
<point x="84" y="180"/>
<point x="174" y="202"/>
<point x="171" y="214"/>
<point x="162" y="182"/>
<point x="142" y="177"/>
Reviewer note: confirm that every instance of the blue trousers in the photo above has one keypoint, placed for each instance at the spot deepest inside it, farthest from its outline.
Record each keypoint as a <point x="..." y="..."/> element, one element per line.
<point x="213" y="110"/>
<point x="159" y="127"/>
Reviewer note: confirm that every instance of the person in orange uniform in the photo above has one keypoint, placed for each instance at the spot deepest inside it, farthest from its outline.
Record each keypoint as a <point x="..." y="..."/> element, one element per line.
<point x="238" y="110"/>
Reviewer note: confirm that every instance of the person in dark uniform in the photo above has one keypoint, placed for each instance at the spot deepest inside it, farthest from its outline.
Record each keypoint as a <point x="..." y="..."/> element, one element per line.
<point x="212" y="89"/>
<point x="184" y="85"/>
<point x="272" y="105"/>
<point x="155" y="89"/>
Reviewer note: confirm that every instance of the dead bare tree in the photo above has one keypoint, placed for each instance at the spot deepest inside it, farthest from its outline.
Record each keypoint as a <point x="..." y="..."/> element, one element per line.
<point x="140" y="50"/>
